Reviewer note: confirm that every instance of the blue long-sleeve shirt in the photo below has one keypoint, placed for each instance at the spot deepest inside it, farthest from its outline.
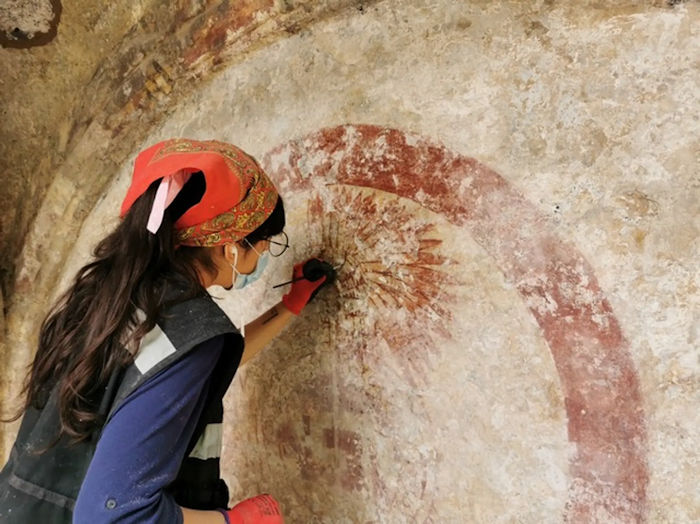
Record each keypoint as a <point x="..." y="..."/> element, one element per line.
<point x="142" y="446"/>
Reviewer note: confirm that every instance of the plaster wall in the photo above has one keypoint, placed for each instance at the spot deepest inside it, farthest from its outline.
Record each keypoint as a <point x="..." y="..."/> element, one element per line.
<point x="514" y="335"/>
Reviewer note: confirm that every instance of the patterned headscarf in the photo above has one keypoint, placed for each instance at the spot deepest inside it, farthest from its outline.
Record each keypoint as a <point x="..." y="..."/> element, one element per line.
<point x="238" y="198"/>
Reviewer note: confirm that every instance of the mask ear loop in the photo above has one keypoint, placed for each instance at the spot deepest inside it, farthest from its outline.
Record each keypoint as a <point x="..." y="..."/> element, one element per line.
<point x="233" y="266"/>
<point x="235" y="276"/>
<point x="252" y="247"/>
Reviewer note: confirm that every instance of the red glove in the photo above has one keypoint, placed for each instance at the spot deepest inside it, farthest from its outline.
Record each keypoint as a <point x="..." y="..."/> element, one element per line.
<point x="302" y="291"/>
<point x="262" y="509"/>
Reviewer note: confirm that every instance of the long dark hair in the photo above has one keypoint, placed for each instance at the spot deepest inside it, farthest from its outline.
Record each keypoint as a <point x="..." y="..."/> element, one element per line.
<point x="93" y="329"/>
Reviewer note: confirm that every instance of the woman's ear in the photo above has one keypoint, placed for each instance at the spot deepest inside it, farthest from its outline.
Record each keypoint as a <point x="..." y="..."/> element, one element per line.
<point x="230" y="253"/>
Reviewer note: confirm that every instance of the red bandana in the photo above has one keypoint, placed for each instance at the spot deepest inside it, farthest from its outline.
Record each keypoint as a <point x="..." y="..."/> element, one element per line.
<point x="238" y="198"/>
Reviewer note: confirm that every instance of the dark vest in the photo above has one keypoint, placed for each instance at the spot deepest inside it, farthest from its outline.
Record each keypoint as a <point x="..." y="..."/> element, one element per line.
<point x="42" y="488"/>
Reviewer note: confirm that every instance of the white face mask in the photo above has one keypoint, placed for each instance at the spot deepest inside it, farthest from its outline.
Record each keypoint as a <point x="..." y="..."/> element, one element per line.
<point x="240" y="280"/>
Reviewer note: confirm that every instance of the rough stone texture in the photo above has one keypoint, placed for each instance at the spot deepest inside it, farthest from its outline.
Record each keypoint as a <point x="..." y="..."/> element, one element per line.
<point x="507" y="343"/>
<point x="28" y="23"/>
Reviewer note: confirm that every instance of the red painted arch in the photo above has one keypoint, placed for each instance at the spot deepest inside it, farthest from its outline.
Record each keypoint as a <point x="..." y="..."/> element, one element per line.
<point x="601" y="388"/>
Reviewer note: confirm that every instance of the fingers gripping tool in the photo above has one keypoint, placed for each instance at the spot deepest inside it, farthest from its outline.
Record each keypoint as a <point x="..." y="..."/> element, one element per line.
<point x="314" y="269"/>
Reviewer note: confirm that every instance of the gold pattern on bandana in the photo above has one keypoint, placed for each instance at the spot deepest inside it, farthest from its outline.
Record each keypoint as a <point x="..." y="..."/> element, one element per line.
<point x="238" y="162"/>
<point x="243" y="218"/>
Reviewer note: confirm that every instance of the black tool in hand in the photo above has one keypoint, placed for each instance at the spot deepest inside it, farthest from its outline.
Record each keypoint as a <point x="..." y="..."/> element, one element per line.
<point x="313" y="269"/>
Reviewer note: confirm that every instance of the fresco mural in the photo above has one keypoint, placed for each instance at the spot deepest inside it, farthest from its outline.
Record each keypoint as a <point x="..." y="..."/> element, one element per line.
<point x="392" y="305"/>
<point x="510" y="192"/>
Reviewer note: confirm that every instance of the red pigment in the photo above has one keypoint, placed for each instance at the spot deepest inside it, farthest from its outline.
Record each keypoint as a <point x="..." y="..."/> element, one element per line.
<point x="606" y="423"/>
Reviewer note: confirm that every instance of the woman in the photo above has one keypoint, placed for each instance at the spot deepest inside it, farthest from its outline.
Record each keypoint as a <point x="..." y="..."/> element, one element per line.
<point x="123" y="411"/>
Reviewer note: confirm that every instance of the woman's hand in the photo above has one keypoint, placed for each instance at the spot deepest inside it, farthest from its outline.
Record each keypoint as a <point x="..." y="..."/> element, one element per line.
<point x="263" y="329"/>
<point x="262" y="509"/>
<point x="307" y="279"/>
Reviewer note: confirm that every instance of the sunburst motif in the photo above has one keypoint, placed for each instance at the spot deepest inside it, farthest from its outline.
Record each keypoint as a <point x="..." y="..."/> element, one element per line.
<point x="395" y="285"/>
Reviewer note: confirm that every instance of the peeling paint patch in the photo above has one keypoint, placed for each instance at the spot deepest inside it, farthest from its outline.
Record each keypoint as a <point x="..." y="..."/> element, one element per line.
<point x="29" y="23"/>
<point x="215" y="32"/>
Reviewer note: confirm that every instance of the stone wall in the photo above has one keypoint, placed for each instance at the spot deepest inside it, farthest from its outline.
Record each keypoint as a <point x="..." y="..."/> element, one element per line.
<point x="514" y="189"/>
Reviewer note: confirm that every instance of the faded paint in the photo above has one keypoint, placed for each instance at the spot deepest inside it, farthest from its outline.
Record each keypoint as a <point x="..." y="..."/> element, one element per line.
<point x="215" y="33"/>
<point x="601" y="387"/>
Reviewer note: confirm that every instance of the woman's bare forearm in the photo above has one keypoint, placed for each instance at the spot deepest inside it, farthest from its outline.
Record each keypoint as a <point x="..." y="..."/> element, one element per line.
<point x="194" y="516"/>
<point x="263" y="329"/>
